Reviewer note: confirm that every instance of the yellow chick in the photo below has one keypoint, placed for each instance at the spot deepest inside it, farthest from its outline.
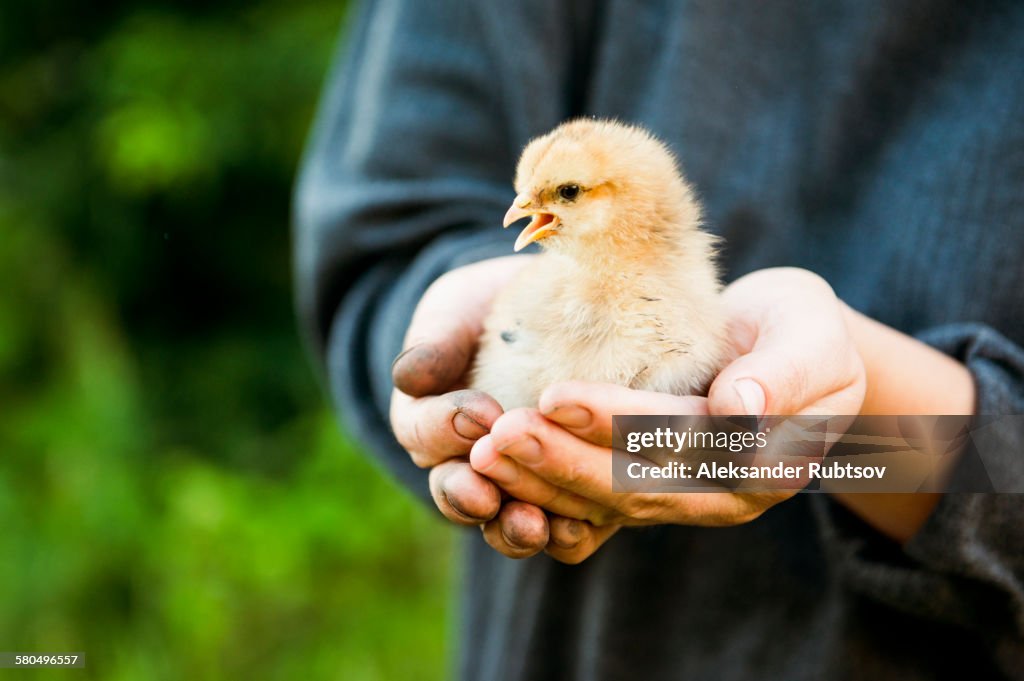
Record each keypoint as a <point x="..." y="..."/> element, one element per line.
<point x="626" y="290"/>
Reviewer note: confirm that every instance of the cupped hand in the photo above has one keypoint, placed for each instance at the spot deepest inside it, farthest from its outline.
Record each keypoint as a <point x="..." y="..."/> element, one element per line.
<point x="437" y="420"/>
<point x="794" y="352"/>
<point x="793" y="355"/>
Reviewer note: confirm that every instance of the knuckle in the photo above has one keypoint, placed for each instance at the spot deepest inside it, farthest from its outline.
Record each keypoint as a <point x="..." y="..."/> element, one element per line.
<point x="643" y="507"/>
<point x="553" y="497"/>
<point x="602" y="517"/>
<point x="574" y="474"/>
<point x="632" y="506"/>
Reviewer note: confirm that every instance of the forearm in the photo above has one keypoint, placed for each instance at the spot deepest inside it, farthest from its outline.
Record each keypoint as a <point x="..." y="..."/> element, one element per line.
<point x="904" y="376"/>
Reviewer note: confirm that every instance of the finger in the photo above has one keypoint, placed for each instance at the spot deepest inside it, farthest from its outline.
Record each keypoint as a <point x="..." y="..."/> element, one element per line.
<point x="555" y="455"/>
<point x="433" y="429"/>
<point x="797" y="356"/>
<point x="573" y="541"/>
<point x="586" y="409"/>
<point x="523" y="484"/>
<point x="519" y="531"/>
<point x="585" y="469"/>
<point x="567" y="533"/>
<point x="463" y="495"/>
<point x="444" y="329"/>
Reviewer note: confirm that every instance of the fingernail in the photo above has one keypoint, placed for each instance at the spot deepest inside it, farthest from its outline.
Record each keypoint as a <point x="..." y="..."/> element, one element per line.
<point x="571" y="416"/>
<point x="458" y="509"/>
<point x="402" y="354"/>
<point x="504" y="471"/>
<point x="572" y="528"/>
<point x="751" y="396"/>
<point x="526" y="450"/>
<point x="468" y="427"/>
<point x="509" y="540"/>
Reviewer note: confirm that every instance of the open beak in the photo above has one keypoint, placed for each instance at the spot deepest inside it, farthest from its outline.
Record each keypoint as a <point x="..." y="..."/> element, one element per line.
<point x="542" y="225"/>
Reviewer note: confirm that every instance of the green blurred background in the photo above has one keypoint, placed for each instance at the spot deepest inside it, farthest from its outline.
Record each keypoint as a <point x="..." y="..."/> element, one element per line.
<point x="176" y="500"/>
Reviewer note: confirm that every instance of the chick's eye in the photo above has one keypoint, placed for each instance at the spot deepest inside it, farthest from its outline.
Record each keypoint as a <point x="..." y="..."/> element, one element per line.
<point x="569" y="192"/>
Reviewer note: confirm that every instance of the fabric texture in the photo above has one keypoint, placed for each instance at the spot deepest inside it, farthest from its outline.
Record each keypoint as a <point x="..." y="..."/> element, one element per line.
<point x="877" y="143"/>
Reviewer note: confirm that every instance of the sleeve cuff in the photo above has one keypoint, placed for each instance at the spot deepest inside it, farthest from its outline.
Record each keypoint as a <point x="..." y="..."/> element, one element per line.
<point x="966" y="563"/>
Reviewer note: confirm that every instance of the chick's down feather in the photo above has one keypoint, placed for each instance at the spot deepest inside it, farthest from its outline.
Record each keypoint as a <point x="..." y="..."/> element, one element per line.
<point x="626" y="288"/>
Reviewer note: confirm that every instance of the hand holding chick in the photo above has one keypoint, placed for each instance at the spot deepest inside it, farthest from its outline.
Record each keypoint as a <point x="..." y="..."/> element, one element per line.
<point x="795" y="354"/>
<point x="578" y="518"/>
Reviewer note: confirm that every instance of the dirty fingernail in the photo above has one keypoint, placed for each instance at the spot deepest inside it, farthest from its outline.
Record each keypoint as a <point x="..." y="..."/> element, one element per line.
<point x="521" y="536"/>
<point x="450" y="500"/>
<point x="402" y="354"/>
<point x="567" y="533"/>
<point x="514" y="543"/>
<point x="467" y="427"/>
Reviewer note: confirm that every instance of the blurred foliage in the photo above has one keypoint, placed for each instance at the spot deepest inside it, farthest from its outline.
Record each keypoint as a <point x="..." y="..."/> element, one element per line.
<point x="176" y="500"/>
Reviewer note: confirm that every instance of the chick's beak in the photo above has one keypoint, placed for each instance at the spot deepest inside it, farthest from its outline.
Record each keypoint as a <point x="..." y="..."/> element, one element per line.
<point x="518" y="210"/>
<point x="542" y="225"/>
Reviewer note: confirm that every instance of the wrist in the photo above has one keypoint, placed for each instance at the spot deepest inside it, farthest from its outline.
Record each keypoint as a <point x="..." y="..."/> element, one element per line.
<point x="906" y="376"/>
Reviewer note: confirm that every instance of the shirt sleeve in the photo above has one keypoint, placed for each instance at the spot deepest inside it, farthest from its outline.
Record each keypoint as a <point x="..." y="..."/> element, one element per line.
<point x="965" y="565"/>
<point x="407" y="175"/>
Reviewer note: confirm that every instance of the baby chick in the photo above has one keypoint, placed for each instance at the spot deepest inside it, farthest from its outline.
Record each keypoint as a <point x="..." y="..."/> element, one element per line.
<point x="626" y="290"/>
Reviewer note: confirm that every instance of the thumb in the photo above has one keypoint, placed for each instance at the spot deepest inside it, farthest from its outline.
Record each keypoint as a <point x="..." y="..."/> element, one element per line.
<point x="759" y="383"/>
<point x="801" y="361"/>
<point x="446" y="325"/>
